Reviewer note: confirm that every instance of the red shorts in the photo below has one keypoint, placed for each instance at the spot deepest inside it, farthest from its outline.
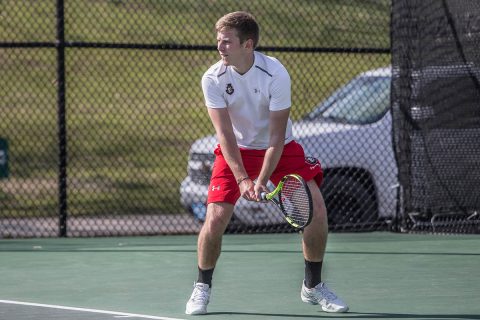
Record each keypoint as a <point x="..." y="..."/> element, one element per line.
<point x="223" y="186"/>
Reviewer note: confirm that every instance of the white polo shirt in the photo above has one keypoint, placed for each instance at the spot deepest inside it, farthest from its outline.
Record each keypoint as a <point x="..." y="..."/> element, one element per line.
<point x="250" y="97"/>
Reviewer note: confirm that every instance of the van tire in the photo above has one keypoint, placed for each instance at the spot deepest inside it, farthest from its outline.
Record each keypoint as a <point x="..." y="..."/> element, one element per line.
<point x="350" y="200"/>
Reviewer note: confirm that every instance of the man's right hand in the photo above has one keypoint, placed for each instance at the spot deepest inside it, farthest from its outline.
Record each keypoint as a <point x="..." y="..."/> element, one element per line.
<point x="247" y="190"/>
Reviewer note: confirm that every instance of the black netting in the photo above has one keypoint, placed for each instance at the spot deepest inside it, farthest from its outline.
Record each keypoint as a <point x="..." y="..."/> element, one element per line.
<point x="436" y="100"/>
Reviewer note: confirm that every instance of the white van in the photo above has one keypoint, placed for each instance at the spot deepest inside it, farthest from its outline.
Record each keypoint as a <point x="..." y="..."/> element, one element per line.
<point x="351" y="134"/>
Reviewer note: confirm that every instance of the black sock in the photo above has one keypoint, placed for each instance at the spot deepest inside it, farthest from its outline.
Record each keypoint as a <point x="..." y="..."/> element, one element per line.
<point x="205" y="276"/>
<point x="313" y="272"/>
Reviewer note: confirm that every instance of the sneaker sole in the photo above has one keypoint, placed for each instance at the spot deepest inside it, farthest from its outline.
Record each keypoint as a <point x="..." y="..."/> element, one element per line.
<point x="342" y="310"/>
<point x="315" y="302"/>
<point x="193" y="313"/>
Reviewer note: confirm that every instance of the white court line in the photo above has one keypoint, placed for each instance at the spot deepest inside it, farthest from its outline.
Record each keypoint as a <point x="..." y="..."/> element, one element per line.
<point x="113" y="313"/>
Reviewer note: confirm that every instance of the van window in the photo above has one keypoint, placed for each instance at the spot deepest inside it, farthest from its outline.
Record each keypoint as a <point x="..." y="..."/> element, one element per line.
<point x="363" y="100"/>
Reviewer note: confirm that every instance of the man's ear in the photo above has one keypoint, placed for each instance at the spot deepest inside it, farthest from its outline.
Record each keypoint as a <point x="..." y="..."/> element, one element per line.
<point x="249" y="44"/>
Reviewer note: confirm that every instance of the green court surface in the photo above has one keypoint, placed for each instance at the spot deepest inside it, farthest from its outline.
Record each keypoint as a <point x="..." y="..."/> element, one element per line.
<point x="380" y="276"/>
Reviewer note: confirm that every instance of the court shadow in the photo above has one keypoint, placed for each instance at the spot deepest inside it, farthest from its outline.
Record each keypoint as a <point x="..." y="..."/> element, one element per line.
<point x="356" y="315"/>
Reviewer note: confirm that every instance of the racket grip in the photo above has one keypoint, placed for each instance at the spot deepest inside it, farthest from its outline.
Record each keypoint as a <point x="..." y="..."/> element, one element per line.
<point x="263" y="195"/>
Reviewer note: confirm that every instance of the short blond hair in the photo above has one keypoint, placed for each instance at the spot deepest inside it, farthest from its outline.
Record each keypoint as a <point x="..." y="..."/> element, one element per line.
<point x="244" y="23"/>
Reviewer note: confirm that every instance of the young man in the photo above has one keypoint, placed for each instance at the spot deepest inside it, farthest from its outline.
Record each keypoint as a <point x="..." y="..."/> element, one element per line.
<point x="248" y="98"/>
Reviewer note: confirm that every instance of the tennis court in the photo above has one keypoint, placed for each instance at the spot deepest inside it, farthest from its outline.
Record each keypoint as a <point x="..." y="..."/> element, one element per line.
<point x="381" y="275"/>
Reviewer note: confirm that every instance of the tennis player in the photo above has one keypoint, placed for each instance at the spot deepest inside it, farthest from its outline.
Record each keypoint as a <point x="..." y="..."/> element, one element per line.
<point x="248" y="99"/>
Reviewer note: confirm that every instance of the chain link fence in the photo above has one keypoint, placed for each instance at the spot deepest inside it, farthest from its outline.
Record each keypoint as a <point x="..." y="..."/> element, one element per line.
<point x="103" y="128"/>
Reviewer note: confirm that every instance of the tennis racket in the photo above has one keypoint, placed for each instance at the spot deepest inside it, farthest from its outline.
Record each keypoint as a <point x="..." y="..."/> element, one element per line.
<point x="292" y="196"/>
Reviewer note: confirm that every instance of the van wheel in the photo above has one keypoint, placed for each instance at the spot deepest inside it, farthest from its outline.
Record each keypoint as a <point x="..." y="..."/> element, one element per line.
<point x="350" y="200"/>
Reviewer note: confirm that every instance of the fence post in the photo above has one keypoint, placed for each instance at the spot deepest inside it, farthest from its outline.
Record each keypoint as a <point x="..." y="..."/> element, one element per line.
<point x="62" y="125"/>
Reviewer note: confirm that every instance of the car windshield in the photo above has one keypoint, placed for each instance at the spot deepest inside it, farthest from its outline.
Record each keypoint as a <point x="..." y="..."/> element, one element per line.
<point x="363" y="100"/>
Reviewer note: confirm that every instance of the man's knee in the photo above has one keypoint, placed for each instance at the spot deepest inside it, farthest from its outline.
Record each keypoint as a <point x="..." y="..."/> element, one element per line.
<point x="317" y="198"/>
<point x="219" y="214"/>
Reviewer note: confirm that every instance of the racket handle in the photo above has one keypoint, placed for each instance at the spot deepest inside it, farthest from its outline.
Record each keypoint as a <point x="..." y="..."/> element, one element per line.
<point x="263" y="195"/>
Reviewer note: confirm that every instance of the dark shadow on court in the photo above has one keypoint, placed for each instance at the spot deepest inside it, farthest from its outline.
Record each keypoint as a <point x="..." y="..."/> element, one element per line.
<point x="357" y="315"/>
<point x="237" y="251"/>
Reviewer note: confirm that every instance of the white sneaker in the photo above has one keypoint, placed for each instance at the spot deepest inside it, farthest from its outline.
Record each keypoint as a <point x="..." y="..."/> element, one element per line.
<point x="199" y="299"/>
<point x="324" y="297"/>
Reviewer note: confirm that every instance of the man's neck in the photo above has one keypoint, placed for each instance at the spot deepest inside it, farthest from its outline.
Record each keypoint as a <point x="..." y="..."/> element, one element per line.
<point x="246" y="64"/>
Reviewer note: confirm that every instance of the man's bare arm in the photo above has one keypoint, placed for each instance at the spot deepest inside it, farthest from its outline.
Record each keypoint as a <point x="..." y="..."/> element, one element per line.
<point x="278" y="127"/>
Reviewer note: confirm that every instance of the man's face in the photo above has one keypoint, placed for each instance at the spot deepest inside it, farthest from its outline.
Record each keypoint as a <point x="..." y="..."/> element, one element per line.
<point x="230" y="48"/>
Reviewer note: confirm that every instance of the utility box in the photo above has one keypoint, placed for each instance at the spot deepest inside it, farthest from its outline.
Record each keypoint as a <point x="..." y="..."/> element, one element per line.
<point x="3" y="158"/>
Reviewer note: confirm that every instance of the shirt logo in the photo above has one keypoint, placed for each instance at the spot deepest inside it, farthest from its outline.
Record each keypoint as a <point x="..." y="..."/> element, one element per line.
<point x="215" y="188"/>
<point x="229" y="89"/>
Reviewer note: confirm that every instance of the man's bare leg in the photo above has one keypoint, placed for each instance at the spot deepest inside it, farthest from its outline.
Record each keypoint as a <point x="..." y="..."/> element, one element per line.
<point x="209" y="248"/>
<point x="316" y="233"/>
<point x="210" y="238"/>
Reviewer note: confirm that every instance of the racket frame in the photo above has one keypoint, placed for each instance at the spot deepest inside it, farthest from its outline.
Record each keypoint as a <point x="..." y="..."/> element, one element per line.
<point x="272" y="196"/>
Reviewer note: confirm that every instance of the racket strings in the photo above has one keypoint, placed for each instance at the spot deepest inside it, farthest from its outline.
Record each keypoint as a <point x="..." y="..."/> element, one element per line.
<point x="295" y="201"/>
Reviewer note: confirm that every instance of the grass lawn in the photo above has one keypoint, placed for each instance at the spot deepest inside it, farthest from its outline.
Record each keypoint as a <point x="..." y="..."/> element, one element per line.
<point x="132" y="114"/>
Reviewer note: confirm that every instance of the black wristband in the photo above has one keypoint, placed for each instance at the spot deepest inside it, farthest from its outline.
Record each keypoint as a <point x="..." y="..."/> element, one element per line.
<point x="242" y="179"/>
